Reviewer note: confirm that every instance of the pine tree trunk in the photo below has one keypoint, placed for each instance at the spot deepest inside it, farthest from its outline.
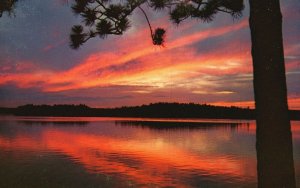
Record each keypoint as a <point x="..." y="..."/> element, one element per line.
<point x="274" y="141"/>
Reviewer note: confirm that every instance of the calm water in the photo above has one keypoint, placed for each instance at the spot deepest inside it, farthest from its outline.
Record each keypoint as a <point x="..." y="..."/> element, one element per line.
<point x="112" y="152"/>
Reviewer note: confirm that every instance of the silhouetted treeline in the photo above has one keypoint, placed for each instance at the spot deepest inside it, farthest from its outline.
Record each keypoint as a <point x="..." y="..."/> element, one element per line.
<point x="54" y="110"/>
<point x="54" y="123"/>
<point x="7" y="110"/>
<point x="177" y="110"/>
<point x="156" y="110"/>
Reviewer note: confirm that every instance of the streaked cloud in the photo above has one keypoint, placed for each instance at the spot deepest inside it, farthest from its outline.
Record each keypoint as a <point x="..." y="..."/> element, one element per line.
<point x="205" y="63"/>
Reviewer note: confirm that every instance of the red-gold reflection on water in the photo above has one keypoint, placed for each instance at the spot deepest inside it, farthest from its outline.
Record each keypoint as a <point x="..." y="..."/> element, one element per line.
<point x="145" y="156"/>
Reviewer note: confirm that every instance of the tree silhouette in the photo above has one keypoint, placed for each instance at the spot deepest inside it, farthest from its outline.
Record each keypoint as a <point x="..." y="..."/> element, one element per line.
<point x="104" y="17"/>
<point x="7" y="6"/>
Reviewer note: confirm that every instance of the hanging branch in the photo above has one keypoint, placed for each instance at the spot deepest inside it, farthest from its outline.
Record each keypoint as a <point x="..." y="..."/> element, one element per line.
<point x="104" y="17"/>
<point x="151" y="31"/>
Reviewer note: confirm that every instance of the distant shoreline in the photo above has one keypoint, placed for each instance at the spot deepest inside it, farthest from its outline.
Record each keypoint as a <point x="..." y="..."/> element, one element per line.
<point x="156" y="110"/>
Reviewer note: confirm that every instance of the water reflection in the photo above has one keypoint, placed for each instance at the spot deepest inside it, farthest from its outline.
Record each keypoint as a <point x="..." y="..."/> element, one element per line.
<point x="134" y="156"/>
<point x="180" y="125"/>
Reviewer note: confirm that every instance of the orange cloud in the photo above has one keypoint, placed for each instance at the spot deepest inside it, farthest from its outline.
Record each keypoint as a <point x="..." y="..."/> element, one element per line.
<point x="87" y="74"/>
<point x="133" y="63"/>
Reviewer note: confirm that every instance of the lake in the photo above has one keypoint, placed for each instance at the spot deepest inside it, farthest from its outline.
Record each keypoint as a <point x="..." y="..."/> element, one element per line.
<point x="130" y="152"/>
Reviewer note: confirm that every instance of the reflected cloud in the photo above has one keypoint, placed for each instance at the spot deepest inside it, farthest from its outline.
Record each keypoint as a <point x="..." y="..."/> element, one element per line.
<point x="144" y="161"/>
<point x="181" y="125"/>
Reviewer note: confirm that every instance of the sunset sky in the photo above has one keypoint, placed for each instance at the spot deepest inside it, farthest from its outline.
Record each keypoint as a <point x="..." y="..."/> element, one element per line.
<point x="200" y="63"/>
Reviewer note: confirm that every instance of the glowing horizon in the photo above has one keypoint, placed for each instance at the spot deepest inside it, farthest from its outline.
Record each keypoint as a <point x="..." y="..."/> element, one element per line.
<point x="201" y="63"/>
